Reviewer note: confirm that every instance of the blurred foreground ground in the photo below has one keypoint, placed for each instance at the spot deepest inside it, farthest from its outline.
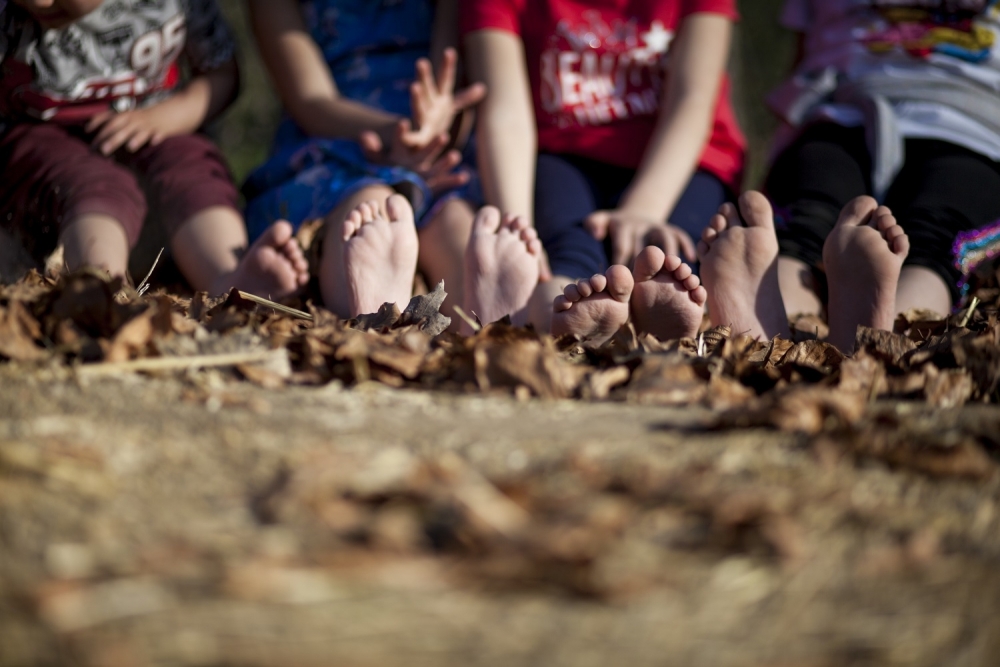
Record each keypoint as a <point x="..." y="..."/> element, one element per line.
<point x="195" y="522"/>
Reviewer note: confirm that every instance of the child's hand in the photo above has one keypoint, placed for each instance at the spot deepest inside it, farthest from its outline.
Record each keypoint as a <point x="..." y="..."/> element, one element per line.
<point x="434" y="102"/>
<point x="435" y="167"/>
<point x="131" y="129"/>
<point x="631" y="232"/>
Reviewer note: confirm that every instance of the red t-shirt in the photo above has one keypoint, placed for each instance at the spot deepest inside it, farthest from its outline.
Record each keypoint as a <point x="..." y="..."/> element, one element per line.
<point x="596" y="72"/>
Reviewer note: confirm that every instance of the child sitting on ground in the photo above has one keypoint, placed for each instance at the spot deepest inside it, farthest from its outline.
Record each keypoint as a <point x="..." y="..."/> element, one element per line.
<point x="606" y="120"/>
<point x="893" y="103"/>
<point x="359" y="130"/>
<point x="97" y="127"/>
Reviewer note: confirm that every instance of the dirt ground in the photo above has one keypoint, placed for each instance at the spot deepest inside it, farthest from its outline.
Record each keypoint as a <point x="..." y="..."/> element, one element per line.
<point x="187" y="520"/>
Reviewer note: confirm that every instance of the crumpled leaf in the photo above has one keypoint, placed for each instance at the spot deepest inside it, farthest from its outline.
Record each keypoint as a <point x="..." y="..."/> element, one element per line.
<point x="505" y="356"/>
<point x="424" y="312"/>
<point x="808" y="409"/>
<point x="667" y="379"/>
<point x="884" y="345"/>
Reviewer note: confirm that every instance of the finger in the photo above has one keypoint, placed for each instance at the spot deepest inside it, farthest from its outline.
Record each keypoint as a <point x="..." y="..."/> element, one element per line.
<point x="108" y="129"/>
<point x="99" y="120"/>
<point x="117" y="140"/>
<point x="425" y="158"/>
<point x="138" y="140"/>
<point x="685" y="244"/>
<point x="441" y="184"/>
<point x="445" y="163"/>
<point x="597" y="224"/>
<point x="468" y="97"/>
<point x="371" y="145"/>
<point x="446" y="73"/>
<point x="425" y="76"/>
<point x="622" y="244"/>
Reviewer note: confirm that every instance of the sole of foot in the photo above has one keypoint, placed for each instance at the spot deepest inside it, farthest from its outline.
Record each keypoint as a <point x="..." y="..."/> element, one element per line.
<point x="501" y="266"/>
<point x="594" y="308"/>
<point x="273" y="266"/>
<point x="739" y="268"/>
<point x="862" y="257"/>
<point x="380" y="255"/>
<point x="668" y="300"/>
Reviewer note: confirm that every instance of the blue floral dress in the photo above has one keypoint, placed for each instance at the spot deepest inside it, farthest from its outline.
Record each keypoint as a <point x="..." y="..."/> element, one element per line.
<point x="371" y="48"/>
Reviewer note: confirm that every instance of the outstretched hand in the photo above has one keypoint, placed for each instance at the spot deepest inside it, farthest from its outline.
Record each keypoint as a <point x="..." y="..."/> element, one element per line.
<point x="433" y="165"/>
<point x="631" y="232"/>
<point x="434" y="102"/>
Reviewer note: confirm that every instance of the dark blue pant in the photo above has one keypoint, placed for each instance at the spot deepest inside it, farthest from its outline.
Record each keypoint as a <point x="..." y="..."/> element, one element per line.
<point x="569" y="188"/>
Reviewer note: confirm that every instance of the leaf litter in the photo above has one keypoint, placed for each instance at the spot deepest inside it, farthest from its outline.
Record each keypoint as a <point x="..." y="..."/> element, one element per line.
<point x="602" y="527"/>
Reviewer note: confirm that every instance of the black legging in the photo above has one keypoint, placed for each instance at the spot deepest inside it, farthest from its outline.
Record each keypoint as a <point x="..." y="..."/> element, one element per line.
<point x="943" y="189"/>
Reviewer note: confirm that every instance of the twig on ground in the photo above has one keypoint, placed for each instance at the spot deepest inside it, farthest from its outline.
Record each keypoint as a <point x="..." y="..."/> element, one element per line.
<point x="261" y="301"/>
<point x="466" y="318"/>
<point x="970" y="312"/>
<point x="177" y="363"/>
<point x="144" y="285"/>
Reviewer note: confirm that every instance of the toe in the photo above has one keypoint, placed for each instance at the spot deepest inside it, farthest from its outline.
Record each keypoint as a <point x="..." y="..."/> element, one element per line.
<point x="714" y="228"/>
<point x="699" y="295"/>
<point x="672" y="263"/>
<point x="487" y="220"/>
<point x="279" y="233"/>
<point x="648" y="263"/>
<point x="682" y="272"/>
<point x="572" y="292"/>
<point x="398" y="208"/>
<point x="352" y="223"/>
<point x="885" y="221"/>
<point x="901" y="245"/>
<point x="561" y="304"/>
<point x="367" y="211"/>
<point x="730" y="216"/>
<point x="692" y="282"/>
<point x="858" y="211"/>
<point x="516" y="223"/>
<point x="587" y="288"/>
<point x="620" y="283"/>
<point x="598" y="282"/>
<point x="756" y="210"/>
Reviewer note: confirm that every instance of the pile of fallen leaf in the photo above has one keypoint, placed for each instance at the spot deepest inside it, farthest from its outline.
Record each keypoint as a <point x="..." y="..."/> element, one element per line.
<point x="83" y="319"/>
<point x="99" y="327"/>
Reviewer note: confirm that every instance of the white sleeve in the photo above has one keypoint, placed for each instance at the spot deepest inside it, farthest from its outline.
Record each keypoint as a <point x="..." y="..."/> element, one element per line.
<point x="797" y="15"/>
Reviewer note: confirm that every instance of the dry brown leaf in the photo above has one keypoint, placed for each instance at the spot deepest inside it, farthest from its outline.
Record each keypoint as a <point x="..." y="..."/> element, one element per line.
<point x="883" y="345"/>
<point x="667" y="379"/>
<point x="504" y="356"/>
<point x="815" y="354"/>
<point x="19" y="332"/>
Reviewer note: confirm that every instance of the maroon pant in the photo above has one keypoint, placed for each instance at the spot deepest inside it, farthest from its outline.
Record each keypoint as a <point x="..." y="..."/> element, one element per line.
<point x="50" y="176"/>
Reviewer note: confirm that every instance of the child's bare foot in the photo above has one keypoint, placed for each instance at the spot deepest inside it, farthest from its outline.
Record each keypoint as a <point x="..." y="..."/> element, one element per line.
<point x="380" y="255"/>
<point x="668" y="300"/>
<point x="272" y="267"/>
<point x="501" y="265"/>
<point x="739" y="267"/>
<point x="862" y="257"/>
<point x="595" y="308"/>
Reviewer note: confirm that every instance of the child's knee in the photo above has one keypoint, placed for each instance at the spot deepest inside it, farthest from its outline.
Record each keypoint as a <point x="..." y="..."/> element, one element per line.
<point x="452" y="220"/>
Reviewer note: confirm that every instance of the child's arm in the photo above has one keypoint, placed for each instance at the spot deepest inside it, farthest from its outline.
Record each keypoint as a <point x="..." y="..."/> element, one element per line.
<point x="507" y="139"/>
<point x="303" y="81"/>
<point x="310" y="96"/>
<point x="686" y="115"/>
<point x="203" y="98"/>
